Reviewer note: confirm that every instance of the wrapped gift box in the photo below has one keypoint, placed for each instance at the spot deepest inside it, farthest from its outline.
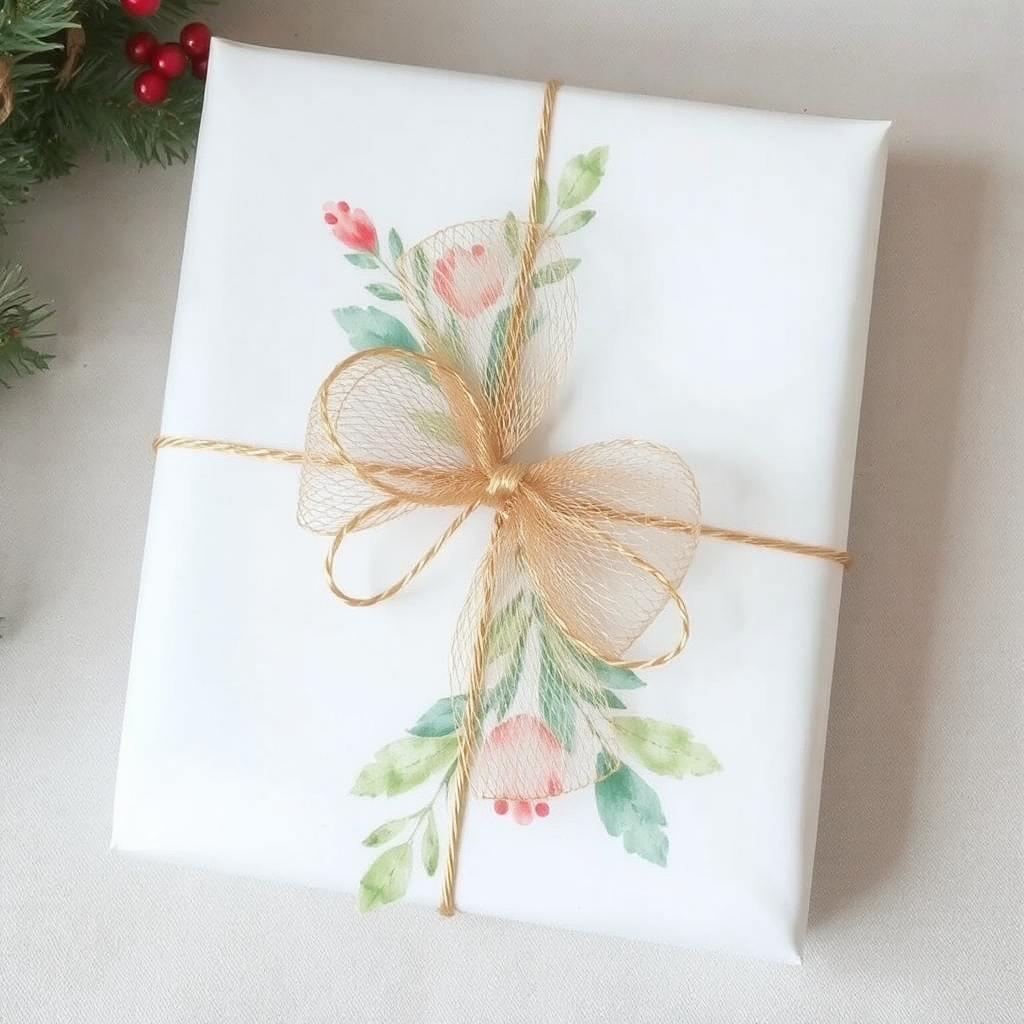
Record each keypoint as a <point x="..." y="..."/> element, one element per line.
<point x="723" y="263"/>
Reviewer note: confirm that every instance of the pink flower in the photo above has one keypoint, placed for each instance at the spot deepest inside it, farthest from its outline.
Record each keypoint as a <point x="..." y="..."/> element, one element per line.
<point x="353" y="227"/>
<point x="526" y="758"/>
<point x="469" y="280"/>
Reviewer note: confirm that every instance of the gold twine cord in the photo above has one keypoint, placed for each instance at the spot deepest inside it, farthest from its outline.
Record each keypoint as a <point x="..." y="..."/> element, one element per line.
<point x="506" y="393"/>
<point x="702" y="530"/>
<point x="467" y="732"/>
<point x="524" y="497"/>
<point x="509" y="377"/>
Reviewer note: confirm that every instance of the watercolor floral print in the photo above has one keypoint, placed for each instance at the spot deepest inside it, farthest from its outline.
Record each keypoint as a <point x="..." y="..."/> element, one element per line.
<point x="547" y="703"/>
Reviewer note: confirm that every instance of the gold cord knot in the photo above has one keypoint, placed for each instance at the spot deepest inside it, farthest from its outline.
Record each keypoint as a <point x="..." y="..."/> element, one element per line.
<point x="503" y="483"/>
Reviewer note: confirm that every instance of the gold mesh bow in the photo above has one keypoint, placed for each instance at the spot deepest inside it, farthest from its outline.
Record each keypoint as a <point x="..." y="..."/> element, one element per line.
<point x="600" y="536"/>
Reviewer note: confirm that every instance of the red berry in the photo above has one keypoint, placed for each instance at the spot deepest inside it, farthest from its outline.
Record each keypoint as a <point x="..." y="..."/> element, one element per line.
<point x="195" y="37"/>
<point x="541" y="810"/>
<point x="139" y="47"/>
<point x="169" y="59"/>
<point x="151" y="87"/>
<point x="199" y="67"/>
<point x="522" y="812"/>
<point x="501" y="807"/>
<point x="140" y="8"/>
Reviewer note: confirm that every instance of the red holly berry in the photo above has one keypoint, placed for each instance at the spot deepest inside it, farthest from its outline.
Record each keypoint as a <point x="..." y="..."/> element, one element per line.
<point x="501" y="807"/>
<point x="169" y="59"/>
<point x="541" y="810"/>
<point x="195" y="37"/>
<point x="151" y="87"/>
<point x="140" y="8"/>
<point x="199" y="67"/>
<point x="139" y="47"/>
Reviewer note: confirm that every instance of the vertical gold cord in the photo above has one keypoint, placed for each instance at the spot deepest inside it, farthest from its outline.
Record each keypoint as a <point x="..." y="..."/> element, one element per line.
<point x="467" y="734"/>
<point x="507" y="395"/>
<point x="506" y="400"/>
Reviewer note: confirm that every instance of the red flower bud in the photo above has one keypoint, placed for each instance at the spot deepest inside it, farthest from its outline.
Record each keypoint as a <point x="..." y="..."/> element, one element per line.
<point x="469" y="280"/>
<point x="352" y="227"/>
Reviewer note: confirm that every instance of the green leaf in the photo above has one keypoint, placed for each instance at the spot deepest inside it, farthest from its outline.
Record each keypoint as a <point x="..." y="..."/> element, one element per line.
<point x="495" y="354"/>
<point x="574" y="663"/>
<point x="405" y="764"/>
<point x="601" y="698"/>
<point x="430" y="848"/>
<point x="575" y="222"/>
<point x="512" y="233"/>
<point x="386" y="832"/>
<point x="557" y="707"/>
<point x="442" y="719"/>
<point x="617" y="678"/>
<point x="554" y="271"/>
<point x="581" y="176"/>
<point x="628" y="807"/>
<point x="665" y="748"/>
<point x="496" y="351"/>
<point x="372" y="780"/>
<point x="649" y="842"/>
<point x="363" y="260"/>
<point x="453" y="344"/>
<point x="420" y="268"/>
<point x="395" y="244"/>
<point x="543" y="202"/>
<point x="499" y="698"/>
<point x="373" y="328"/>
<point x="508" y="627"/>
<point x="385" y="292"/>
<point x="387" y="878"/>
<point x="438" y="425"/>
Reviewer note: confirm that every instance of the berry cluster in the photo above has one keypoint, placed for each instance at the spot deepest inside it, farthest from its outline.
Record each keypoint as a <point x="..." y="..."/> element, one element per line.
<point x="164" y="61"/>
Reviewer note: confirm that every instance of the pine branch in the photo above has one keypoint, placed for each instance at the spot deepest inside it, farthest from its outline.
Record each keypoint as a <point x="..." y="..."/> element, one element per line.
<point x="20" y="319"/>
<point x="52" y="121"/>
<point x="50" y="125"/>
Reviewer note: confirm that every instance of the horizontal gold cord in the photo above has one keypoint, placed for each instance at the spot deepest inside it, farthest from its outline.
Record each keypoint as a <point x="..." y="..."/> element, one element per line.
<point x="757" y="540"/>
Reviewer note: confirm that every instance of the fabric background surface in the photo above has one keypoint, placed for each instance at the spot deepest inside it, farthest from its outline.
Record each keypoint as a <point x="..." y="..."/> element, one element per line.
<point x="917" y="908"/>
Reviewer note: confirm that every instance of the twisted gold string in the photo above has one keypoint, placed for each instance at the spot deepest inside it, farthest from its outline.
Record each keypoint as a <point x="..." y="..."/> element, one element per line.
<point x="357" y="521"/>
<point x="507" y="396"/>
<point x="702" y="530"/>
<point x="204" y="444"/>
<point x="468" y="730"/>
<point x="507" y="393"/>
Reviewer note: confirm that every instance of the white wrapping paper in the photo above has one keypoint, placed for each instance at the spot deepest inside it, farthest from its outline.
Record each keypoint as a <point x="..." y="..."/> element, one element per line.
<point x="724" y="289"/>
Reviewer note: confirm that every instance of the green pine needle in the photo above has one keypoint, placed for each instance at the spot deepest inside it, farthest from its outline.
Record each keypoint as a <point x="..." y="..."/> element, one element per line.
<point x="49" y="126"/>
<point x="20" y="318"/>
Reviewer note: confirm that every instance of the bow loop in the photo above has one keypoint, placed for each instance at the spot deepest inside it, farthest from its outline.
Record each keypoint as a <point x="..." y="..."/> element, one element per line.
<point x="607" y="532"/>
<point x="460" y="285"/>
<point x="390" y="424"/>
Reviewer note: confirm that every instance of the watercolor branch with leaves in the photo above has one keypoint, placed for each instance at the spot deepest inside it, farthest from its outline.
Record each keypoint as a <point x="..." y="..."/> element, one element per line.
<point x="553" y="717"/>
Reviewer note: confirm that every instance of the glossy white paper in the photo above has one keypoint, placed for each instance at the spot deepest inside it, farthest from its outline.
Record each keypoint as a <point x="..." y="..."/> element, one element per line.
<point x="724" y="294"/>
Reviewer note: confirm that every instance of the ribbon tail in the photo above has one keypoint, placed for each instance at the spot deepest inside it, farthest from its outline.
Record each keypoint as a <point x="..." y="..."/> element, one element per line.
<point x="472" y="716"/>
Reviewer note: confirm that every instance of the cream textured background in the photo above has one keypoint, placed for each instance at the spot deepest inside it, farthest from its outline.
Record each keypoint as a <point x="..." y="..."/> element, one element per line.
<point x="917" y="908"/>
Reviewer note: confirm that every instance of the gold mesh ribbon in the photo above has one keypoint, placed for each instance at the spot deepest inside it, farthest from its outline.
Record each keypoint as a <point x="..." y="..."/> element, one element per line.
<point x="599" y="537"/>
